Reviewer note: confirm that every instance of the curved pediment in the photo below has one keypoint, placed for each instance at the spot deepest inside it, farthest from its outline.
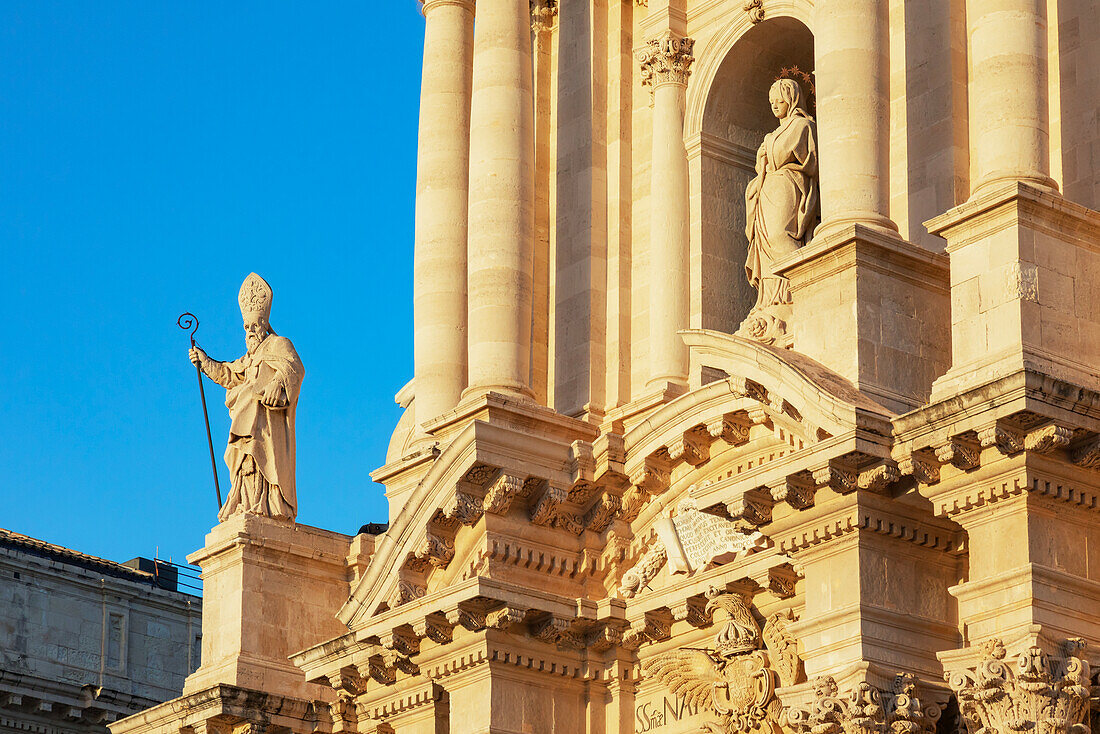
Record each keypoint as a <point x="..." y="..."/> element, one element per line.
<point x="544" y="483"/>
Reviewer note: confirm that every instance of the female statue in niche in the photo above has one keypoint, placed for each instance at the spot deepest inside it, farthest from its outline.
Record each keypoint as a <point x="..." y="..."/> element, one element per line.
<point x="781" y="208"/>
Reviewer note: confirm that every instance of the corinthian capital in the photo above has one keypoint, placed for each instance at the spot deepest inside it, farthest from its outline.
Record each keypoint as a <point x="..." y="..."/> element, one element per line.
<point x="1036" y="691"/>
<point x="666" y="59"/>
<point x="542" y="15"/>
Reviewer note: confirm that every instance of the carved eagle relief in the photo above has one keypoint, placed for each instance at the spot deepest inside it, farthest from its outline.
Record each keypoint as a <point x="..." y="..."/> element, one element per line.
<point x="736" y="681"/>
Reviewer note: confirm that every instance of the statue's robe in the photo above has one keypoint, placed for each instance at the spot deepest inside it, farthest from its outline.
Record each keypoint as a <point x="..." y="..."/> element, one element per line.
<point x="781" y="203"/>
<point x="261" y="438"/>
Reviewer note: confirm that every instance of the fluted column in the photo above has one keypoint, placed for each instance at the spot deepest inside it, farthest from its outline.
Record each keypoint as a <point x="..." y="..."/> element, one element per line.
<point x="666" y="65"/>
<point x="852" y="55"/>
<point x="502" y="183"/>
<point x="1009" y="115"/>
<point x="442" y="185"/>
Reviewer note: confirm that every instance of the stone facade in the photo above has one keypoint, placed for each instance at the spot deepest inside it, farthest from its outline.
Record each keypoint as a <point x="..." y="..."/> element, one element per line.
<point x="611" y="510"/>
<point x="85" y="641"/>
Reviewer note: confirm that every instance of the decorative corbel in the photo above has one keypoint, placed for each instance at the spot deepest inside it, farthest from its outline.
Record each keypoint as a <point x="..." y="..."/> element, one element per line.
<point x="796" y="490"/>
<point x="1007" y="440"/>
<point x="733" y="428"/>
<point x="690" y="447"/>
<point x="960" y="453"/>
<point x="753" y="507"/>
<point x="1048" y="438"/>
<point x="498" y="498"/>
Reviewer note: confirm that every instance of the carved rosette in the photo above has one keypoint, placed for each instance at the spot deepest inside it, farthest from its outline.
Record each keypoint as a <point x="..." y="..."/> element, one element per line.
<point x="1036" y="692"/>
<point x="865" y="710"/>
<point x="666" y="59"/>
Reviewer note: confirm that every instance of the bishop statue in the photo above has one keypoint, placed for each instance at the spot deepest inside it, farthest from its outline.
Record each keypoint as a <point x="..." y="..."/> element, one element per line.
<point x="262" y="395"/>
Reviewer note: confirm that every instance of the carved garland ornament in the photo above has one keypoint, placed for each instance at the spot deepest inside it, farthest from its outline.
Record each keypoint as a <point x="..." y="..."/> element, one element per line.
<point x="736" y="681"/>
<point x="1039" y="692"/>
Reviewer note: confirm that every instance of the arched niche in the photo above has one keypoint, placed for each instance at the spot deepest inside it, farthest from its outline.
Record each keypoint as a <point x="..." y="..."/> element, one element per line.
<point x="725" y="125"/>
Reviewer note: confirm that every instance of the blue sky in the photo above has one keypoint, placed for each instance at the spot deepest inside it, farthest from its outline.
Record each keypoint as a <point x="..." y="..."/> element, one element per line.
<point x="152" y="154"/>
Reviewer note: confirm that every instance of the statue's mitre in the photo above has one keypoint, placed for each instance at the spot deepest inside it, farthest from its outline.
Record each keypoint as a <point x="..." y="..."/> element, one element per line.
<point x="255" y="297"/>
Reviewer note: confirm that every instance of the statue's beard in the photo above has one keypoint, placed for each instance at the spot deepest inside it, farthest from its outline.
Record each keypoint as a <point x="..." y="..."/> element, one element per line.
<point x="253" y="341"/>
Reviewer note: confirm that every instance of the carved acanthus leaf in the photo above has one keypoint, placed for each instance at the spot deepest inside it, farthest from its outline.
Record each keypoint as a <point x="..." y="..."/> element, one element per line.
<point x="498" y="498"/>
<point x="605" y="638"/>
<point x="404" y="592"/>
<point x="550" y="630"/>
<point x="547" y="505"/>
<point x="633" y="502"/>
<point x="653" y="476"/>
<point x="923" y="469"/>
<point x="1048" y="438"/>
<point x="504" y="617"/>
<point x="644" y="570"/>
<point x="1037" y="692"/>
<point x="841" y="478"/>
<point x="543" y="13"/>
<point x="880" y="477"/>
<point x="782" y="580"/>
<point x="464" y="508"/>
<point x="436" y="628"/>
<point x="600" y="517"/>
<point x="755" y="10"/>
<point x="865" y="710"/>
<point x="693" y="610"/>
<point x="960" y="453"/>
<point x="437" y="549"/>
<point x="348" y="682"/>
<point x="1087" y="455"/>
<point x="1006" y="440"/>
<point x="782" y="648"/>
<point x="380" y="671"/>
<point x="666" y="59"/>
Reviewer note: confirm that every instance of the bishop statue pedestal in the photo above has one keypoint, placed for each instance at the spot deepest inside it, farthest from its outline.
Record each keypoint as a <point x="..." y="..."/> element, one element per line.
<point x="270" y="589"/>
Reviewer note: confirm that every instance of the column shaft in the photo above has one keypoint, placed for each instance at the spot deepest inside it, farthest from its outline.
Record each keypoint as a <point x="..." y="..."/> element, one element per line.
<point x="1009" y="115"/>
<point x="852" y="54"/>
<point x="666" y="63"/>
<point x="442" y="178"/>
<point x="501" y="211"/>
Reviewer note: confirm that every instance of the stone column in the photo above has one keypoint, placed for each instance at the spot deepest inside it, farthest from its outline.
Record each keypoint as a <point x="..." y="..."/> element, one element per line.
<point x="442" y="186"/>
<point x="1020" y="262"/>
<point x="501" y="212"/>
<point x="666" y="63"/>
<point x="1009" y="114"/>
<point x="852" y="54"/>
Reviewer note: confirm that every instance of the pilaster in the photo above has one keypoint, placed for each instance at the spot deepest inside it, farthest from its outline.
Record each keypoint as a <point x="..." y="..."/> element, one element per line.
<point x="876" y="573"/>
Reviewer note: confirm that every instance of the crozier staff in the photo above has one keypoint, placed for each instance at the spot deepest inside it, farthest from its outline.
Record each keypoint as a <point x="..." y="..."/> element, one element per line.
<point x="262" y="396"/>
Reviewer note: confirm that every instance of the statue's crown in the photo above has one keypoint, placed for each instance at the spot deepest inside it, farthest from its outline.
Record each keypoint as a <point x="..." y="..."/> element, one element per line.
<point x="255" y="297"/>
